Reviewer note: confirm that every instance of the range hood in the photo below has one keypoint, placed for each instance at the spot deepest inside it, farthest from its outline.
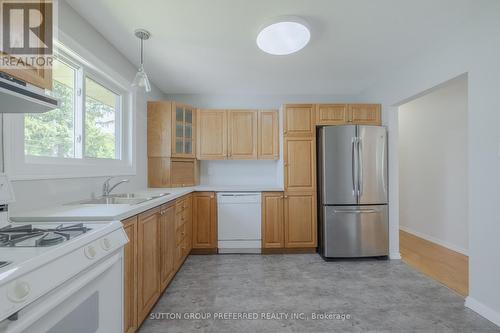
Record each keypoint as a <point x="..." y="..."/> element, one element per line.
<point x="18" y="97"/>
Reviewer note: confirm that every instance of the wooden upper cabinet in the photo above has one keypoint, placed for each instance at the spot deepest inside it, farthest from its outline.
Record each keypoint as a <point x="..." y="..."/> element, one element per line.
<point x="300" y="220"/>
<point x="204" y="220"/>
<point x="365" y="114"/>
<point x="331" y="114"/>
<point x="300" y="164"/>
<point x="299" y="120"/>
<point x="212" y="135"/>
<point x="268" y="137"/>
<point x="167" y="244"/>
<point x="130" y="324"/>
<point x="148" y="261"/>
<point x="183" y="130"/>
<point x="159" y="129"/>
<point x="272" y="220"/>
<point x="242" y="134"/>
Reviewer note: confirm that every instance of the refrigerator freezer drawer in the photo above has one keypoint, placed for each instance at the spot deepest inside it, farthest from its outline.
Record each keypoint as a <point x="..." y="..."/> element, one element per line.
<point x="355" y="231"/>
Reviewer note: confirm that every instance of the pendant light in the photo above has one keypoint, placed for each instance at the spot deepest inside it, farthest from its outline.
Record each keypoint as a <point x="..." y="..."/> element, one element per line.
<point x="141" y="78"/>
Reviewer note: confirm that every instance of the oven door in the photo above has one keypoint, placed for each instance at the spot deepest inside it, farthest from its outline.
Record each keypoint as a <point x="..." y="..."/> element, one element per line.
<point x="89" y="303"/>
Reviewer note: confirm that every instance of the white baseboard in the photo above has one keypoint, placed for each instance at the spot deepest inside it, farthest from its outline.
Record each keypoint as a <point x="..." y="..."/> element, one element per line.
<point x="395" y="256"/>
<point x="483" y="310"/>
<point x="435" y="240"/>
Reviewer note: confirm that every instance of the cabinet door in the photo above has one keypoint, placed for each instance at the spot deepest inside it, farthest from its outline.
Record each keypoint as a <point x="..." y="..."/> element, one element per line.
<point x="299" y="120"/>
<point x="189" y="132"/>
<point x="130" y="276"/>
<point x="365" y="114"/>
<point x="242" y="130"/>
<point x="300" y="164"/>
<point x="184" y="172"/>
<point x="167" y="244"/>
<point x="159" y="127"/>
<point x="159" y="172"/>
<point x="300" y="220"/>
<point x="331" y="114"/>
<point x="212" y="135"/>
<point x="40" y="77"/>
<point x="204" y="220"/>
<point x="148" y="261"/>
<point x="178" y="130"/>
<point x="272" y="220"/>
<point x="268" y="144"/>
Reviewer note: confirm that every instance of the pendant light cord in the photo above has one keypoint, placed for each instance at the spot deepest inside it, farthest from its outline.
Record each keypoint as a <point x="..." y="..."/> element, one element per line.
<point x="142" y="52"/>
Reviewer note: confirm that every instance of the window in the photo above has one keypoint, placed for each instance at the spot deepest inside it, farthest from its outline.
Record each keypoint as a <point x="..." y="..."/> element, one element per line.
<point x="60" y="133"/>
<point x="90" y="134"/>
<point x="52" y="134"/>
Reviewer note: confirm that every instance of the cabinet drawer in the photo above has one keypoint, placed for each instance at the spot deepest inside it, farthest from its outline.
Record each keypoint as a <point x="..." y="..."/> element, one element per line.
<point x="181" y="219"/>
<point x="180" y="234"/>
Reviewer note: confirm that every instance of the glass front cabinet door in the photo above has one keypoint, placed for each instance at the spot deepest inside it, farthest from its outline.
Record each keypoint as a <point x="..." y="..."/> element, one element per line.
<point x="184" y="122"/>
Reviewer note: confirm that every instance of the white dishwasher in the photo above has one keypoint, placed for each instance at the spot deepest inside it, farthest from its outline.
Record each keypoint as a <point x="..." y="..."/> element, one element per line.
<point x="239" y="215"/>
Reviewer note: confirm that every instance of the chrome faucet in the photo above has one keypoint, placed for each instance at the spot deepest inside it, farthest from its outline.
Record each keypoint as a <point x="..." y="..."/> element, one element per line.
<point x="106" y="188"/>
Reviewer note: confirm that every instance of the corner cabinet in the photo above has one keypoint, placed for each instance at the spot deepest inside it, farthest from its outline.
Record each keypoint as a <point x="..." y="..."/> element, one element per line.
<point x="171" y="145"/>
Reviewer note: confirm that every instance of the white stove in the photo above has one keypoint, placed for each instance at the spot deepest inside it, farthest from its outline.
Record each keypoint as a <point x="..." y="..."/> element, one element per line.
<point x="61" y="277"/>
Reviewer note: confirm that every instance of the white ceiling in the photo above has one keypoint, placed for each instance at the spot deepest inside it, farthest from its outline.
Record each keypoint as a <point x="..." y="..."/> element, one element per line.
<point x="208" y="46"/>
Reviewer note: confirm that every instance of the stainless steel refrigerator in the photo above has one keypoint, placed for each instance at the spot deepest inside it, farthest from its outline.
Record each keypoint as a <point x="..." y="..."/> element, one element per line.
<point x="352" y="185"/>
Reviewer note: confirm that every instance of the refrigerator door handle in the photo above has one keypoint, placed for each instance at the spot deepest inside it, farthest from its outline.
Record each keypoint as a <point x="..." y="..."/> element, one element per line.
<point x="356" y="211"/>
<point x="360" y="167"/>
<point x="354" y="167"/>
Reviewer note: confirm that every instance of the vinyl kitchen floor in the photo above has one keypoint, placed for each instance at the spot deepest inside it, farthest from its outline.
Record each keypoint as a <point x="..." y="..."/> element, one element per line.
<point x="382" y="296"/>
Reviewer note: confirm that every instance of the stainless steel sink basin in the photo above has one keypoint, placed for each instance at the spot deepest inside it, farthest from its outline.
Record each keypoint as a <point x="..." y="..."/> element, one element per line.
<point x="120" y="199"/>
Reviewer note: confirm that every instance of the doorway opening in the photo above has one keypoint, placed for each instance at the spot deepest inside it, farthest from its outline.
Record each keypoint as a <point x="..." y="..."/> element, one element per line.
<point x="433" y="196"/>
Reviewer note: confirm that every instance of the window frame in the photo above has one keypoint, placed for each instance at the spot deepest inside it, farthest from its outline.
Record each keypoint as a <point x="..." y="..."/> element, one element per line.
<point x="28" y="167"/>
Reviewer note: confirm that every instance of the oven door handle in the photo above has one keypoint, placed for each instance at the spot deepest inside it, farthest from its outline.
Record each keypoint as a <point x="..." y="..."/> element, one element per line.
<point x="28" y="318"/>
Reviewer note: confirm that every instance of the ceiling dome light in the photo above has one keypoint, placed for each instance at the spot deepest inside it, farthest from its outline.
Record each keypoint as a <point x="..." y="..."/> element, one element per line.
<point x="286" y="36"/>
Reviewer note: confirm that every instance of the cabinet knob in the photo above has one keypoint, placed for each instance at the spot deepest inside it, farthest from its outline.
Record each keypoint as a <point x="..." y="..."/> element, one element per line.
<point x="286" y="196"/>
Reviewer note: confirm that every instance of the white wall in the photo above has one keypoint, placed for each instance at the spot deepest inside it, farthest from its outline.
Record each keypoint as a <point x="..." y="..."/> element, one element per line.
<point x="473" y="50"/>
<point x="433" y="166"/>
<point x="80" y="36"/>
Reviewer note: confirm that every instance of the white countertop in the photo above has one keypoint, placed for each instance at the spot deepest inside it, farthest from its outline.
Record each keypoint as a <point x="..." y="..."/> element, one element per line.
<point x="94" y="212"/>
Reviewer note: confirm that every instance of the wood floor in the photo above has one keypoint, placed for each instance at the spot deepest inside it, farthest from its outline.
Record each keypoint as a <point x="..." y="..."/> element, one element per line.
<point x="442" y="264"/>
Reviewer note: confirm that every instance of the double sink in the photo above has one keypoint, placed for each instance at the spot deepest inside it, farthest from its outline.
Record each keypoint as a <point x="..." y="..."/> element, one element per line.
<point x="121" y="199"/>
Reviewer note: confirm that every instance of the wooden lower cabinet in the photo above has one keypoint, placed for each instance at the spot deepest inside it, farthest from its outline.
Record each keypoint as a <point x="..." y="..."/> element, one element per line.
<point x="300" y="220"/>
<point x="167" y="244"/>
<point x="273" y="235"/>
<point x="148" y="289"/>
<point x="130" y="276"/>
<point x="289" y="220"/>
<point x="184" y="229"/>
<point x="204" y="221"/>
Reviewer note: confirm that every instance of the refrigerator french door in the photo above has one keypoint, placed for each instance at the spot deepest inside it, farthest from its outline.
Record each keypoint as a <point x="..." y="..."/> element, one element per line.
<point x="352" y="185"/>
